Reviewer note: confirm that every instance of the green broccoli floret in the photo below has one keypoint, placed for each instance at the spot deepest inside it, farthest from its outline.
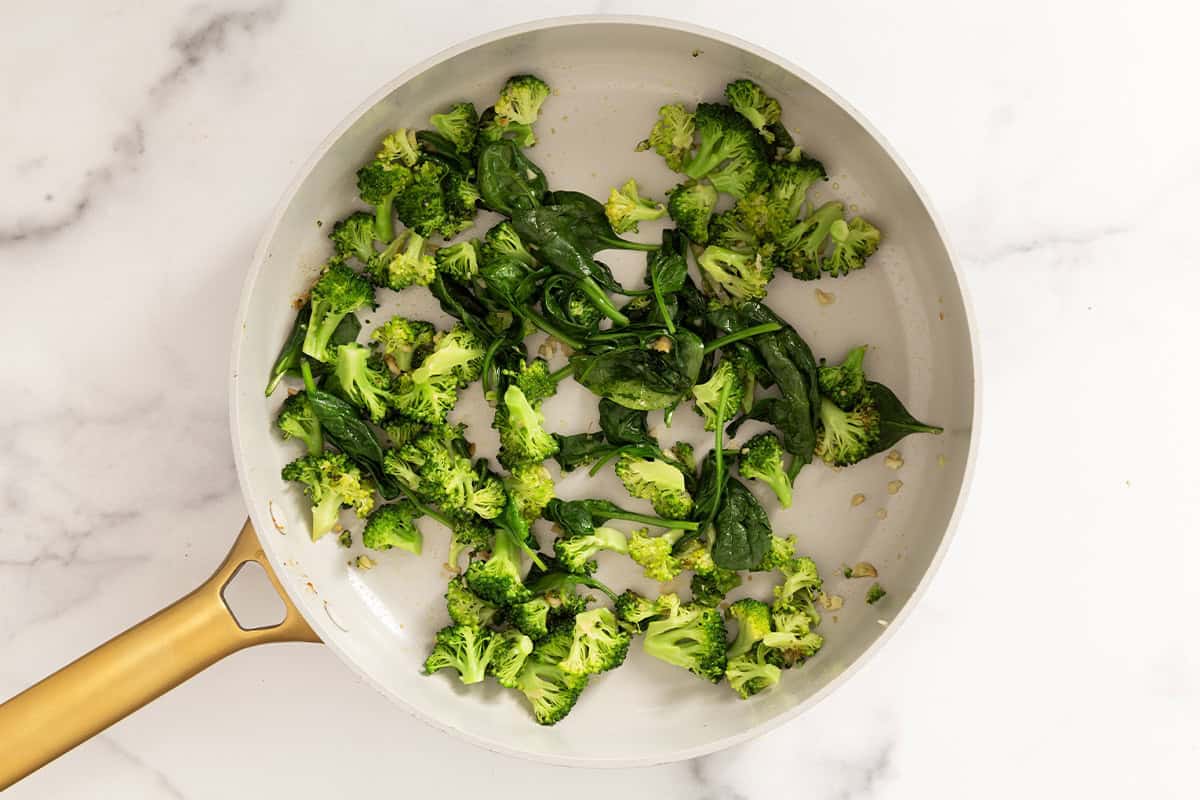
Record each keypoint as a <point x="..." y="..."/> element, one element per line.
<point x="446" y="476"/>
<point x="801" y="583"/>
<point x="846" y="437"/>
<point x="790" y="182"/>
<point x="735" y="275"/>
<point x="509" y="656"/>
<point x="853" y="244"/>
<point x="460" y="196"/>
<point x="755" y="214"/>
<point x="709" y="588"/>
<point x="697" y="557"/>
<point x="457" y="354"/>
<point x="875" y="594"/>
<point x="378" y="185"/>
<point x="403" y="263"/>
<point x="657" y="481"/>
<point x="551" y="691"/>
<point x="361" y="381"/>
<point x="759" y="109"/>
<point x="392" y="526"/>
<point x="464" y="648"/>
<point x="731" y="231"/>
<point x="751" y="672"/>
<point x="635" y="610"/>
<point x="523" y="440"/>
<point x="502" y="241"/>
<point x="531" y="488"/>
<point x="691" y="206"/>
<point x="425" y="401"/>
<point x="338" y="292"/>
<point x="625" y="208"/>
<point x="597" y="645"/>
<point x="726" y="383"/>
<point x="575" y="552"/>
<point x="297" y="420"/>
<point x="685" y="455"/>
<point x="354" y="237"/>
<point x="802" y="246"/>
<point x="535" y="380"/>
<point x="690" y="636"/>
<point x="754" y="622"/>
<point x="793" y="644"/>
<point x="459" y="261"/>
<point x="493" y="128"/>
<point x="468" y="532"/>
<point x="731" y="153"/>
<point x="531" y="618"/>
<point x="498" y="579"/>
<point x="399" y="147"/>
<point x="331" y="480"/>
<point x="466" y="607"/>
<point x="672" y="134"/>
<point x="653" y="554"/>
<point x="782" y="550"/>
<point x="762" y="458"/>
<point x="459" y="124"/>
<point x="521" y="99"/>
<point x="423" y="202"/>
<point x="400" y="339"/>
<point x="845" y="384"/>
<point x="398" y="466"/>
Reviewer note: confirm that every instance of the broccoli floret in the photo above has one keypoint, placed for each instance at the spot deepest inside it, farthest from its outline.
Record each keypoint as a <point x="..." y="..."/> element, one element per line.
<point x="468" y="532"/>
<point x="531" y="618"/>
<point x="691" y="206"/>
<point x="845" y="384"/>
<point x="690" y="636"/>
<point x="460" y="197"/>
<point x="331" y="480"/>
<point x="801" y="583"/>
<point x="762" y="458"/>
<point x="657" y="481"/>
<point x="399" y="147"/>
<point x="754" y="622"/>
<point x="498" y="579"/>
<point x="425" y="401"/>
<point x="400" y="339"/>
<point x="781" y="551"/>
<point x="502" y="241"/>
<point x="846" y="437"/>
<point x="790" y="182"/>
<point x="731" y="153"/>
<point x="535" y="380"/>
<point x="575" y="552"/>
<point x="459" y="261"/>
<point x="740" y="276"/>
<point x="457" y="354"/>
<point x="446" y="475"/>
<point x="731" y="231"/>
<point x="709" y="588"/>
<point x="464" y="648"/>
<point x="802" y="245"/>
<point x="396" y="465"/>
<point x="493" y="128"/>
<point x="597" y="645"/>
<point x="509" y="656"/>
<point x="338" y="292"/>
<point x="297" y="420"/>
<point x="720" y="396"/>
<point x="521" y="99"/>
<point x="354" y="237"/>
<point x="751" y="672"/>
<point x="635" y="610"/>
<point x="653" y="554"/>
<point x="853" y="244"/>
<point x="361" y="381"/>
<point x="794" y="643"/>
<point x="551" y="691"/>
<point x="625" y="208"/>
<point x="402" y="431"/>
<point x="421" y="203"/>
<point x="378" y="185"/>
<point x="755" y="214"/>
<point x="875" y="594"/>
<point x="531" y="488"/>
<point x="671" y="137"/>
<point x="759" y="109"/>
<point x="403" y="263"/>
<point x="697" y="557"/>
<point x="459" y="124"/>
<point x="467" y="608"/>
<point x="523" y="440"/>
<point x="392" y="526"/>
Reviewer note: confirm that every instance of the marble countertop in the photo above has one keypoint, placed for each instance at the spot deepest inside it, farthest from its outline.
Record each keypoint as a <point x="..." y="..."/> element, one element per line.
<point x="142" y="152"/>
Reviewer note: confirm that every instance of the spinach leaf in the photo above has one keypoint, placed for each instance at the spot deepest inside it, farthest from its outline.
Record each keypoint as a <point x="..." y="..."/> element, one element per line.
<point x="741" y="529"/>
<point x="623" y="425"/>
<point x="573" y="516"/>
<point x="508" y="181"/>
<point x="584" y="216"/>
<point x="347" y="432"/>
<point x="290" y="355"/>
<point x="442" y="148"/>
<point x="554" y="238"/>
<point x="894" y="420"/>
<point x="666" y="272"/>
<point x="580" y="449"/>
<point x="636" y="377"/>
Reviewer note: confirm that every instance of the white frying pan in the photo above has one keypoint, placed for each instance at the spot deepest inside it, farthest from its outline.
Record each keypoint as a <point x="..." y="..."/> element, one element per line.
<point x="610" y="75"/>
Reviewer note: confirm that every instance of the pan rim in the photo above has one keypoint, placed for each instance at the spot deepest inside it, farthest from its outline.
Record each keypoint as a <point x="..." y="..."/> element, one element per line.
<point x="262" y="521"/>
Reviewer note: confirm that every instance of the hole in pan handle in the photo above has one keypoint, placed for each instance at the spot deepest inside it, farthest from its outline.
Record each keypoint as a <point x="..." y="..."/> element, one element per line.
<point x="133" y="668"/>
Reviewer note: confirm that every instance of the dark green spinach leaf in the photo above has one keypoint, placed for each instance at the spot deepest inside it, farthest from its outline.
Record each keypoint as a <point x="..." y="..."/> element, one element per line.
<point x="741" y="529"/>
<point x="894" y="420"/>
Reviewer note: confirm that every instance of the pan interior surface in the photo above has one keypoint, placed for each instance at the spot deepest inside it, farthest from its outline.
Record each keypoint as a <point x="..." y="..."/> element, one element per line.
<point x="907" y="304"/>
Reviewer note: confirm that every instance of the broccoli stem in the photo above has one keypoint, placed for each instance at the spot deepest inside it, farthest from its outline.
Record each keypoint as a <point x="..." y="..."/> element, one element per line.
<point x="744" y="333"/>
<point x="325" y="515"/>
<point x="600" y="300"/>
<point x="310" y="385"/>
<point x="384" y="230"/>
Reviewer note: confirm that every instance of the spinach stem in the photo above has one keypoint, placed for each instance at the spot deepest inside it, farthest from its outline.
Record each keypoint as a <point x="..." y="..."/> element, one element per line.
<point x="744" y="333"/>
<point x="658" y="522"/>
<point x="719" y="455"/>
<point x="559" y="374"/>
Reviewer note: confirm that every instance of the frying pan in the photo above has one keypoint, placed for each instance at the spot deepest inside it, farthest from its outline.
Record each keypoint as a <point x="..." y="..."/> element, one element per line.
<point x="610" y="76"/>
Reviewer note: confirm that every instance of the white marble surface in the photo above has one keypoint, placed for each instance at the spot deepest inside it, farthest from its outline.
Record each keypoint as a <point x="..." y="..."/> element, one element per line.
<point x="141" y="152"/>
